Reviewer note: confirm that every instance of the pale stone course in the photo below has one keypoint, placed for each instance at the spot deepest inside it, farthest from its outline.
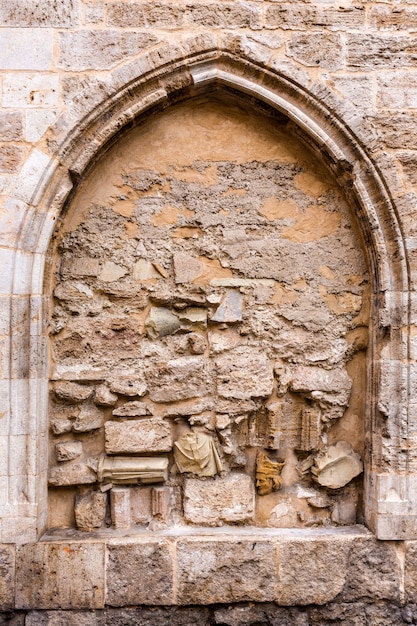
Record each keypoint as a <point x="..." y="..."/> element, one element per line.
<point x="26" y="49"/>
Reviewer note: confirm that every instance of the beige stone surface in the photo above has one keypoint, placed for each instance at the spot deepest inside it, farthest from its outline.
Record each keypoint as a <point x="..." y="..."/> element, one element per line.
<point x="139" y="573"/>
<point x="67" y="575"/>
<point x="217" y="571"/>
<point x="222" y="500"/>
<point x="90" y="510"/>
<point x="7" y="577"/>
<point x="139" y="436"/>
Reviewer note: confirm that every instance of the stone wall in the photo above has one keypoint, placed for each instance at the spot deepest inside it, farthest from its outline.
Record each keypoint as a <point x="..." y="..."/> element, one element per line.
<point x="131" y="133"/>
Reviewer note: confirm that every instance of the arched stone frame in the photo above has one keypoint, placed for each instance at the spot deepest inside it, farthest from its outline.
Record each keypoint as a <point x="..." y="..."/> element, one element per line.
<point x="44" y="187"/>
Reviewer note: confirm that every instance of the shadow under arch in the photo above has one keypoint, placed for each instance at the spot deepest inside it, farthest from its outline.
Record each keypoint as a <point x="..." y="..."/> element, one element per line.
<point x="390" y="477"/>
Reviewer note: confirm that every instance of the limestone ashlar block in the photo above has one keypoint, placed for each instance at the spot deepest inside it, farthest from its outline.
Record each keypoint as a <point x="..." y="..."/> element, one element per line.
<point x="311" y="570"/>
<point x="7" y="576"/>
<point x="244" y="374"/>
<point x="72" y="474"/>
<point x="139" y="573"/>
<point x="26" y="49"/>
<point x="224" y="500"/>
<point x="138" y="436"/>
<point x="215" y="571"/>
<point x="178" y="379"/>
<point x="410" y="569"/>
<point x="60" y="576"/>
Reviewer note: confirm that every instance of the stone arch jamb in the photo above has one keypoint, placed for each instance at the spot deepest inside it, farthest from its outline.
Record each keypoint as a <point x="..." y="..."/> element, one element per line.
<point x="391" y="466"/>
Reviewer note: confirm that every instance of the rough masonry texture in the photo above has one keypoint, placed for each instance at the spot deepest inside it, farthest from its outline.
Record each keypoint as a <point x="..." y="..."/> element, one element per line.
<point x="208" y="313"/>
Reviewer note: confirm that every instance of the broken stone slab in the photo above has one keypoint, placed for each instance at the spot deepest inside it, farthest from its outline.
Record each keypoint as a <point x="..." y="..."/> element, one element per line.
<point x="124" y="470"/>
<point x="193" y="317"/>
<point x="193" y="407"/>
<point x="90" y="510"/>
<point x="68" y="450"/>
<point x="127" y="386"/>
<point x="137" y="437"/>
<point x="132" y="409"/>
<point x="178" y="379"/>
<point x="72" y="392"/>
<point x="144" y="270"/>
<point x="333" y="386"/>
<point x="244" y="373"/>
<point x="111" y="272"/>
<point x="230" y="309"/>
<point x="224" y="500"/>
<point x="104" y="397"/>
<point x="186" y="267"/>
<point x="242" y="282"/>
<point x="89" y="418"/>
<point x="335" y="466"/>
<point x="73" y="474"/>
<point x="161" y="322"/>
<point x="60" y="426"/>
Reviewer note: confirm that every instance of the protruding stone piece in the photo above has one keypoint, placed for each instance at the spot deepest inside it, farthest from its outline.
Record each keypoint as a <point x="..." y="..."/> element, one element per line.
<point x="73" y="474"/>
<point x="161" y="322"/>
<point x="89" y="418"/>
<point x="68" y="450"/>
<point x="336" y="466"/>
<point x="120" y="507"/>
<point x="138" y="436"/>
<point x="90" y="510"/>
<point x="127" y="386"/>
<point x="104" y="397"/>
<point x="196" y="453"/>
<point x="125" y="470"/>
<point x="231" y="307"/>
<point x="132" y="409"/>
<point x="72" y="392"/>
<point x="161" y="503"/>
<point x="186" y="267"/>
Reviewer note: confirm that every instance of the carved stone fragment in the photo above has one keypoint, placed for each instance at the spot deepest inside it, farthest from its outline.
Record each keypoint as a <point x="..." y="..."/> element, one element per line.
<point x="336" y="466"/>
<point x="120" y="507"/>
<point x="160" y="503"/>
<point x="268" y="474"/>
<point x="90" y="510"/>
<point x="196" y="453"/>
<point x="137" y="436"/>
<point x="125" y="470"/>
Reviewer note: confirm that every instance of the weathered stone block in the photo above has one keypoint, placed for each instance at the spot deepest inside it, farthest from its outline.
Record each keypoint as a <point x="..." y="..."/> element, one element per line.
<point x="89" y="418"/>
<point x="68" y="450"/>
<point x="139" y="572"/>
<point x="40" y="14"/>
<point x="178" y="379"/>
<point x="26" y="49"/>
<point x="63" y="576"/>
<point x="127" y="386"/>
<point x="323" y="50"/>
<point x="301" y="17"/>
<point x="73" y="474"/>
<point x="72" y="392"/>
<point x="243" y="374"/>
<point x="383" y="51"/>
<point x="7" y="576"/>
<point x="224" y="15"/>
<point x="131" y="409"/>
<point x="410" y="579"/>
<point x="26" y="90"/>
<point x="90" y="510"/>
<point x="217" y="571"/>
<point x="10" y="157"/>
<point x="104" y="397"/>
<point x="138" y="437"/>
<point x="98" y="49"/>
<point x="333" y="386"/>
<point x="265" y="614"/>
<point x="311" y="570"/>
<point x="146" y="14"/>
<point x="120" y="507"/>
<point x="11" y="126"/>
<point x="224" y="500"/>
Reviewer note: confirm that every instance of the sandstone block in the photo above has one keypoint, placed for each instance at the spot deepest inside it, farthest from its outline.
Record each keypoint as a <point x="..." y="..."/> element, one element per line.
<point x="186" y="267"/>
<point x="383" y="51"/>
<point x="215" y="571"/>
<point x="178" y="379"/>
<point x="104" y="397"/>
<point x="138" y="437"/>
<point x="265" y="613"/>
<point x="41" y="14"/>
<point x="224" y="15"/>
<point x="244" y="374"/>
<point x="321" y="50"/>
<point x="90" y="510"/>
<point x="147" y="14"/>
<point x="58" y="618"/>
<point x="11" y="126"/>
<point x="26" y="49"/>
<point x="68" y="450"/>
<point x="10" y="157"/>
<point x="74" y="474"/>
<point x="7" y="576"/>
<point x="37" y="123"/>
<point x="214" y="502"/>
<point x="397" y="90"/>
<point x="72" y="392"/>
<point x="98" y="49"/>
<point x="333" y="386"/>
<point x="63" y="576"/>
<point x="89" y="418"/>
<point x="131" y="409"/>
<point x="127" y="386"/>
<point x="25" y="90"/>
<point x="312" y="570"/>
<point x="139" y="573"/>
<point x="120" y="507"/>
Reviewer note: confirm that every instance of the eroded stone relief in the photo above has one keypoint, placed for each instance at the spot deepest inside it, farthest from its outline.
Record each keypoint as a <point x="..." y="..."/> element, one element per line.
<point x="208" y="332"/>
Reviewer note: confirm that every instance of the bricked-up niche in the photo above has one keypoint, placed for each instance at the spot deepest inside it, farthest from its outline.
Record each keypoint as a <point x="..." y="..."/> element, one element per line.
<point x="209" y="328"/>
